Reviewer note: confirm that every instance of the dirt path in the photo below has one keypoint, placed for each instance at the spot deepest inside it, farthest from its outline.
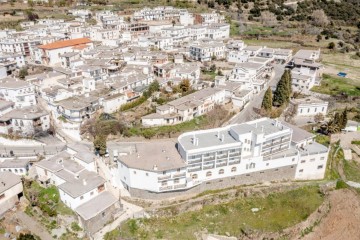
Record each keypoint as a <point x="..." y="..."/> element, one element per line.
<point x="343" y="220"/>
<point x="33" y="226"/>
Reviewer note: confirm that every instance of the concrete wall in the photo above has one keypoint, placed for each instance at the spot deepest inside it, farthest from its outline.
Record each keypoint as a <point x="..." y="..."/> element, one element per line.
<point x="278" y="174"/>
<point x="10" y="197"/>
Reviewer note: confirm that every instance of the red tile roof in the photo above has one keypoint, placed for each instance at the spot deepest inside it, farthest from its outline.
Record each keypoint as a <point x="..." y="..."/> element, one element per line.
<point x="65" y="43"/>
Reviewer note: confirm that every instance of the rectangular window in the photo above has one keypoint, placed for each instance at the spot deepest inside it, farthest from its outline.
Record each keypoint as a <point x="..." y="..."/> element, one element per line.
<point x="301" y="170"/>
<point x="322" y="158"/>
<point x="320" y="167"/>
<point x="164" y="183"/>
<point x="82" y="197"/>
<point x="303" y="161"/>
<point x="312" y="160"/>
<point x="176" y="180"/>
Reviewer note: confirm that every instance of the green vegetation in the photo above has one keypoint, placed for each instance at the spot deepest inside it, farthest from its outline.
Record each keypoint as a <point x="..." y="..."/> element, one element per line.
<point x="196" y="123"/>
<point x="276" y="212"/>
<point x="333" y="162"/>
<point x="323" y="139"/>
<point x="112" y="235"/>
<point x="283" y="90"/>
<point x="27" y="236"/>
<point x="75" y="227"/>
<point x="355" y="142"/>
<point x="267" y="100"/>
<point x="47" y="199"/>
<point x="352" y="171"/>
<point x="153" y="87"/>
<point x="340" y="184"/>
<point x="332" y="85"/>
<point x="133" y="104"/>
<point x="336" y="123"/>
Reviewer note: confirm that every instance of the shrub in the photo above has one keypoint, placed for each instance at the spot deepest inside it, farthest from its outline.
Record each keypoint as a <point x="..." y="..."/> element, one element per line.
<point x="340" y="184"/>
<point x="75" y="227"/>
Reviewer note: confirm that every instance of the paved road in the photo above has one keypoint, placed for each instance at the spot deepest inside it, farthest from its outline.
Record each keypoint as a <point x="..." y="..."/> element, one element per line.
<point x="247" y="113"/>
<point x="27" y="151"/>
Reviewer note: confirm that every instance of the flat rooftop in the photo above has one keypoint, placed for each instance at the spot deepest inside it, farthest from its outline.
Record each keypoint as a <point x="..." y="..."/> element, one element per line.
<point x="202" y="139"/>
<point x="154" y="156"/>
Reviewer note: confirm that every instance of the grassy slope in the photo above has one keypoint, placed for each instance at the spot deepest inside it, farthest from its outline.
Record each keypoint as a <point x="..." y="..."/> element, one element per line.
<point x="277" y="211"/>
<point x="333" y="85"/>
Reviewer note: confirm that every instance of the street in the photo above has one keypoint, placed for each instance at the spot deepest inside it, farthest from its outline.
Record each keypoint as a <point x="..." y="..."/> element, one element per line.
<point x="247" y="113"/>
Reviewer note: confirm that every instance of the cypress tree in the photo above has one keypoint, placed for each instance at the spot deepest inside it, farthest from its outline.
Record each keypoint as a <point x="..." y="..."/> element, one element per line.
<point x="281" y="92"/>
<point x="337" y="119"/>
<point x="289" y="82"/>
<point x="343" y="119"/>
<point x="267" y="100"/>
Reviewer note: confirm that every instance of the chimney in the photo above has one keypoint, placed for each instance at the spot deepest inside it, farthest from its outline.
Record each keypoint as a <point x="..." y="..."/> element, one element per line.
<point x="222" y="138"/>
<point x="84" y="182"/>
<point x="262" y="128"/>
<point x="155" y="167"/>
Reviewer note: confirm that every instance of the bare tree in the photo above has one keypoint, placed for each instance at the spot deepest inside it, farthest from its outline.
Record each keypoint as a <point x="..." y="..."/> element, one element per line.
<point x="319" y="18"/>
<point x="319" y="118"/>
<point x="268" y="19"/>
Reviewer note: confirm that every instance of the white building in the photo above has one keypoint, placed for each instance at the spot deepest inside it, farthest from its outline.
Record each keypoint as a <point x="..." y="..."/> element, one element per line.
<point x="309" y="106"/>
<point x="303" y="79"/>
<point x="18" y="166"/>
<point x="21" y="93"/>
<point x="26" y="121"/>
<point x="205" y="52"/>
<point x="185" y="108"/>
<point x="252" y="152"/>
<point x="250" y="75"/>
<point x="50" y="53"/>
<point x="11" y="189"/>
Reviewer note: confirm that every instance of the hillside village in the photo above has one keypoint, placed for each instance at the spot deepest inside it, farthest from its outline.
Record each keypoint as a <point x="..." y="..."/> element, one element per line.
<point x="106" y="112"/>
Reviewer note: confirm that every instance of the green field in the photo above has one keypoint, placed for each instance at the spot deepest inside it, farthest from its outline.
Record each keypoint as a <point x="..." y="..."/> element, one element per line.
<point x="333" y="85"/>
<point x="277" y="211"/>
<point x="352" y="171"/>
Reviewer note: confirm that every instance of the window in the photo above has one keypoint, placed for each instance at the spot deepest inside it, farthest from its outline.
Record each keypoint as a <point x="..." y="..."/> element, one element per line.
<point x="322" y="158"/>
<point x="301" y="170"/>
<point x="2" y="196"/>
<point x="164" y="183"/>
<point x="303" y="161"/>
<point x="164" y="172"/>
<point x="134" y="172"/>
<point x="176" y="180"/>
<point x="233" y="169"/>
<point x="103" y="214"/>
<point x="293" y="159"/>
<point x="147" y="174"/>
<point x="312" y="160"/>
<point x="178" y="170"/>
<point x="91" y="193"/>
<point x="221" y="171"/>
<point x="209" y="174"/>
<point x="194" y="176"/>
<point x="82" y="197"/>
<point x="267" y="164"/>
<point x="320" y="167"/>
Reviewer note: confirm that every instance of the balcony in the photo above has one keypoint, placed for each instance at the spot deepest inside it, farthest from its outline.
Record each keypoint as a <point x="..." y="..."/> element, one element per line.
<point x="179" y="175"/>
<point x="234" y="162"/>
<point x="222" y="156"/>
<point x="194" y="169"/>
<point x="165" y="188"/>
<point x="234" y="154"/>
<point x="179" y="186"/>
<point x="194" y="161"/>
<point x="221" y="165"/>
<point x="208" y="167"/>
<point x="164" y="177"/>
<point x="209" y="158"/>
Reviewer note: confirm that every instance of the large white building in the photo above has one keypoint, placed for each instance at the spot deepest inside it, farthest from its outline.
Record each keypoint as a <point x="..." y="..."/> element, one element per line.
<point x="252" y="152"/>
<point x="21" y="93"/>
